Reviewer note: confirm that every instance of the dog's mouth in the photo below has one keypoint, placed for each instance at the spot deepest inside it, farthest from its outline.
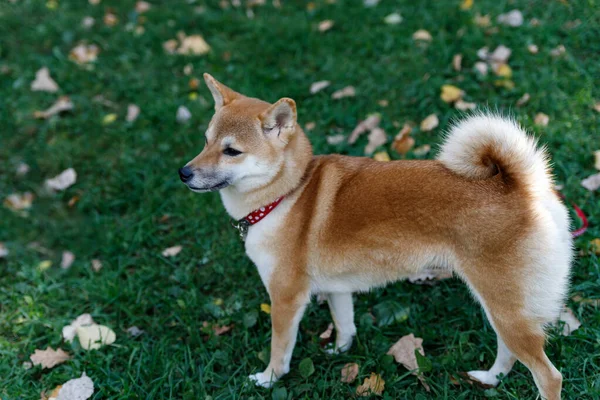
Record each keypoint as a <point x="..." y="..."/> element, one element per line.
<point x="213" y="188"/>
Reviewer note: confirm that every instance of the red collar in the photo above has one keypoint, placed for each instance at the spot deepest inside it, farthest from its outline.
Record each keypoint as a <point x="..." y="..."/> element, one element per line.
<point x="255" y="216"/>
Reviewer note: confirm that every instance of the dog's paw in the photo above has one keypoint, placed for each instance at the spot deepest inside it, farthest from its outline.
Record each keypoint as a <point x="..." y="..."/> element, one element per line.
<point x="342" y="347"/>
<point x="485" y="378"/>
<point x="262" y="379"/>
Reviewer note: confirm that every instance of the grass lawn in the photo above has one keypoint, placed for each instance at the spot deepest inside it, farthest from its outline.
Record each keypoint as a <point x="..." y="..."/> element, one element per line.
<point x="128" y="203"/>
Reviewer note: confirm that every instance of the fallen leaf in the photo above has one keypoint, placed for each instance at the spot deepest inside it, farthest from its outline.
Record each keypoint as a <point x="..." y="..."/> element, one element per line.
<point x="327" y="333"/>
<point x="393" y="19"/>
<point x="349" y="372"/>
<point x="422" y="34"/>
<point x="482" y="21"/>
<point x="183" y="114"/>
<point x="383" y="102"/>
<point x="403" y="142"/>
<point x="558" y="51"/>
<point x="69" y="331"/>
<point x="430" y="123"/>
<point x="541" y="119"/>
<point x="595" y="246"/>
<point x="134" y="331"/>
<point x="513" y="18"/>
<point x="370" y="3"/>
<point x="83" y="54"/>
<point x="377" y="137"/>
<point x="43" y="82"/>
<point x="504" y="71"/>
<point x="523" y="100"/>
<point x="335" y="139"/>
<point x="62" y="181"/>
<point x="368" y="124"/>
<point x="464" y="105"/>
<point x="457" y="62"/>
<point x="67" y="259"/>
<point x="500" y="55"/>
<point x="481" y="67"/>
<point x="310" y="126"/>
<point x="142" y="6"/>
<point x="404" y="351"/>
<point x="326" y="25"/>
<point x="171" y="251"/>
<point x="348" y="91"/>
<point x="451" y="93"/>
<point x="94" y="2"/>
<point x="597" y="159"/>
<point x="19" y="201"/>
<point x="61" y="105"/>
<point x="466" y="4"/>
<point x="133" y="111"/>
<point x="422" y="150"/>
<point x="597" y="106"/>
<point x="110" y="19"/>
<point x="88" y="22"/>
<point x="382" y="156"/>
<point x="592" y="182"/>
<point x="532" y="48"/>
<point x="3" y="250"/>
<point x="218" y="330"/>
<point x="96" y="265"/>
<point x="371" y="385"/>
<point x="571" y="323"/>
<point x="44" y="265"/>
<point x="22" y="169"/>
<point x="93" y="337"/>
<point x="318" y="86"/>
<point x="170" y="46"/>
<point x="193" y="45"/>
<point x="266" y="308"/>
<point x="49" y="358"/>
<point x="76" y="389"/>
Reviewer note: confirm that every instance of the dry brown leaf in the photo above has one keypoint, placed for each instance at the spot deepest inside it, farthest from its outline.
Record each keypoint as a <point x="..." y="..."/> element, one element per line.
<point x="541" y="119"/>
<point x="404" y="351"/>
<point x="53" y="394"/>
<point x="383" y="102"/>
<point x="133" y="111"/>
<point x="62" y="181"/>
<point x="49" y="358"/>
<point x="171" y="251"/>
<point x="67" y="259"/>
<point x="500" y="55"/>
<point x="96" y="265"/>
<point x="451" y="93"/>
<point x="597" y="159"/>
<point x="423" y="35"/>
<point x="523" y="100"/>
<point x="83" y="54"/>
<point x="532" y="48"/>
<point x="218" y="330"/>
<point x="349" y="372"/>
<point x="348" y="91"/>
<point x="482" y="21"/>
<point x="382" y="156"/>
<point x="110" y="19"/>
<point x="464" y="105"/>
<point x="142" y="6"/>
<point x="377" y="137"/>
<point x="326" y="25"/>
<point x="327" y="333"/>
<point x="18" y="201"/>
<point x="193" y="45"/>
<point x="513" y="18"/>
<point x="371" y="385"/>
<point x="422" y="150"/>
<point x="571" y="323"/>
<point x="335" y="139"/>
<point x="61" y="105"/>
<point x="558" y="51"/>
<point x="318" y="86"/>
<point x="481" y="67"/>
<point x="430" y="123"/>
<point x="403" y="142"/>
<point x="76" y="389"/>
<point x="457" y="62"/>
<point x="592" y="182"/>
<point x="170" y="46"/>
<point x="596" y="106"/>
<point x="310" y="126"/>
<point x="43" y="82"/>
<point x="368" y="124"/>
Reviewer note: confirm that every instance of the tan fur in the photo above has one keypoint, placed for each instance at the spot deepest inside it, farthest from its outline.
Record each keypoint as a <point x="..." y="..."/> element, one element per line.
<point x="356" y="220"/>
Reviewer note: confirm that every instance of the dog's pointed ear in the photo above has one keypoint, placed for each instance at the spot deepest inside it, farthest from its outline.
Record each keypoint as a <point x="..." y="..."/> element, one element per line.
<point x="279" y="120"/>
<point x="221" y="93"/>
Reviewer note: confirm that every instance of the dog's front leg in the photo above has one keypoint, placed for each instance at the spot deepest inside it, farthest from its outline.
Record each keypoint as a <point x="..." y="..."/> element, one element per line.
<point x="287" y="307"/>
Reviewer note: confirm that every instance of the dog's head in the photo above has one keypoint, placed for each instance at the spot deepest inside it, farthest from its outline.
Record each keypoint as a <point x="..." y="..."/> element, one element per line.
<point x="245" y="142"/>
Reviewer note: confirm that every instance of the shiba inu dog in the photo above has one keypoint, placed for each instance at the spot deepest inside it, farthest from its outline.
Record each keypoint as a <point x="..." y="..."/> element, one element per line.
<point x="485" y="208"/>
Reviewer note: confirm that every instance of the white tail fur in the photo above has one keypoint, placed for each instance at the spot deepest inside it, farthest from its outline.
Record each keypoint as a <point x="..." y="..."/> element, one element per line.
<point x="484" y="144"/>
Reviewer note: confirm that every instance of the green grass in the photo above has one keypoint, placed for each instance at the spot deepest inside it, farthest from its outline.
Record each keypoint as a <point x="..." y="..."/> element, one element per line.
<point x="127" y="183"/>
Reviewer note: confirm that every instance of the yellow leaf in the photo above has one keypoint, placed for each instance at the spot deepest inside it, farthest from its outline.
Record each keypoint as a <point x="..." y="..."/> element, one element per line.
<point x="93" y="337"/>
<point x="44" y="265"/>
<point x="504" y="71"/>
<point x="52" y="5"/>
<point x="450" y="93"/>
<point x="193" y="96"/>
<point x="372" y="385"/>
<point x="382" y="156"/>
<point x="109" y="119"/>
<point x="595" y="246"/>
<point x="266" y="308"/>
<point x="218" y="302"/>
<point x="597" y="159"/>
<point x="466" y="5"/>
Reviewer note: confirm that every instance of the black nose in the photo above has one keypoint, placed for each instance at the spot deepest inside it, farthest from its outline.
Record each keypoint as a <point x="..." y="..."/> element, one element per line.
<point x="185" y="174"/>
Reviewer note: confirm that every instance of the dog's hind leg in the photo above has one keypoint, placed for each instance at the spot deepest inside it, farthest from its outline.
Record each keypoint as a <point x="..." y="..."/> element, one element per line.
<point x="503" y="364"/>
<point x="342" y="312"/>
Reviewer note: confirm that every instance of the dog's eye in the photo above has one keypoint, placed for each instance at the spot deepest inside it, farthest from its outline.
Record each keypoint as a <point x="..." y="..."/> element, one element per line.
<point x="231" y="152"/>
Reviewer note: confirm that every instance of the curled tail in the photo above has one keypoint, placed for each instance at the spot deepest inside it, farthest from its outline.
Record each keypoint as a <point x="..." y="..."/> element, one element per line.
<point x="484" y="145"/>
